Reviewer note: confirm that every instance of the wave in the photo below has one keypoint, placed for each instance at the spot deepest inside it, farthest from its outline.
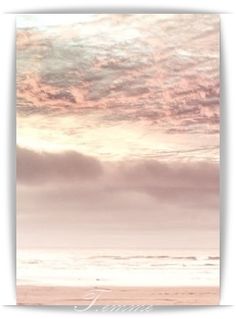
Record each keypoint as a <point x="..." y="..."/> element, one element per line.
<point x="189" y="257"/>
<point x="213" y="258"/>
<point x="144" y="257"/>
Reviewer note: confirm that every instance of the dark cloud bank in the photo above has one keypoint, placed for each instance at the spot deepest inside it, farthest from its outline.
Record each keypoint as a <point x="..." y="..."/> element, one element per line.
<point x="73" y="200"/>
<point x="73" y="174"/>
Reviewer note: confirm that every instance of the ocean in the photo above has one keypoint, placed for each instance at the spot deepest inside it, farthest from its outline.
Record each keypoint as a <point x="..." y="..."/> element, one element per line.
<point x="113" y="267"/>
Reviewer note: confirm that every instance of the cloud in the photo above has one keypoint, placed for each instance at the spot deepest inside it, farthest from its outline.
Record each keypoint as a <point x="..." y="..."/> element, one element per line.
<point x="75" y="176"/>
<point x="33" y="167"/>
<point x="98" y="204"/>
<point x="173" y="174"/>
<point x="129" y="65"/>
<point x="140" y="93"/>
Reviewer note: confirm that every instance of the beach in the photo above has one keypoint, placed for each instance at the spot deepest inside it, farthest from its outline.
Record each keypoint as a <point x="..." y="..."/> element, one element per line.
<point x="42" y="295"/>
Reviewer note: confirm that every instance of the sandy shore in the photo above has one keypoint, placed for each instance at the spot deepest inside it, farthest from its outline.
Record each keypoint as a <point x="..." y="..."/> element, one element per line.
<point x="37" y="295"/>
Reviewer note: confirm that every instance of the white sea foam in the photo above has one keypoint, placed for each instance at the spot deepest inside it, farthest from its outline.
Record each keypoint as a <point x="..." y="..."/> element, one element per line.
<point x="117" y="268"/>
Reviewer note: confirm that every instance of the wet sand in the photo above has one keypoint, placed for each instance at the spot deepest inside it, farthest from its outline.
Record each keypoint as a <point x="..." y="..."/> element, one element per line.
<point x="38" y="295"/>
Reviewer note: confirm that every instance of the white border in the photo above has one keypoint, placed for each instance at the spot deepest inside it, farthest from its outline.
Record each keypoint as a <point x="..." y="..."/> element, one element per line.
<point x="228" y="144"/>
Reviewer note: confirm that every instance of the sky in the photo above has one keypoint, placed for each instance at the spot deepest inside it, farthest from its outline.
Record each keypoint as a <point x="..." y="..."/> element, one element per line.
<point x="118" y="131"/>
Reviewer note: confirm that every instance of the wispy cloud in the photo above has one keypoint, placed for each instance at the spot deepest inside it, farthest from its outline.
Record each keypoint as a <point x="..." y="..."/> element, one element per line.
<point x="155" y="70"/>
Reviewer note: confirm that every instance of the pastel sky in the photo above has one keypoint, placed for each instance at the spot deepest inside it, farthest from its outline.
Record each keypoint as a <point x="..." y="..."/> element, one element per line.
<point x="118" y="130"/>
